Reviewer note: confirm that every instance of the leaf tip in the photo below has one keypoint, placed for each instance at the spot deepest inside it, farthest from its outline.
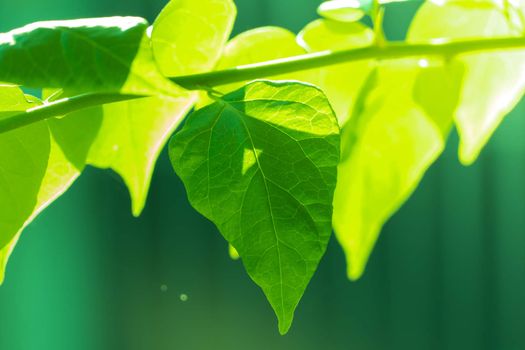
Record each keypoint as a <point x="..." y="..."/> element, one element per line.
<point x="137" y="207"/>
<point x="284" y="326"/>
<point x="354" y="271"/>
<point x="3" y="264"/>
<point x="468" y="155"/>
<point x="234" y="255"/>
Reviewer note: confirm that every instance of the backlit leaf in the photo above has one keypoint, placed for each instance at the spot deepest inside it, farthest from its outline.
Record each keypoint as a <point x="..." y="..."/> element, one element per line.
<point x="131" y="137"/>
<point x="188" y="36"/>
<point x="261" y="164"/>
<point x="133" y="133"/>
<point x="259" y="45"/>
<point x="57" y="158"/>
<point x="396" y="132"/>
<point x="493" y="82"/>
<point x="342" y="82"/>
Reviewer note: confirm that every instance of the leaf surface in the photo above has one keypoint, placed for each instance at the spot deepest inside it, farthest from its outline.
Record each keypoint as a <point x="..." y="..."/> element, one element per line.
<point x="398" y="129"/>
<point x="133" y="133"/>
<point x="131" y="137"/>
<point x="261" y="164"/>
<point x="88" y="55"/>
<point x="493" y="83"/>
<point x="343" y="82"/>
<point x="259" y="45"/>
<point x="38" y="164"/>
<point x="184" y="24"/>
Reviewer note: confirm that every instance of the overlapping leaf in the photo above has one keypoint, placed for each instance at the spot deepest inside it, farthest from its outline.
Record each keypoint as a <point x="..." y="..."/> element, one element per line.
<point x="493" y="82"/>
<point x="396" y="132"/>
<point x="111" y="54"/>
<point x="188" y="36"/>
<point x="259" y="45"/>
<point x="341" y="83"/>
<point x="89" y="55"/>
<point x="261" y="164"/>
<point x="134" y="132"/>
<point x="38" y="163"/>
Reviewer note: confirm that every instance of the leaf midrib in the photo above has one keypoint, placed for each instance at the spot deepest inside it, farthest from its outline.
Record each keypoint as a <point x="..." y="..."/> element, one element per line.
<point x="277" y="240"/>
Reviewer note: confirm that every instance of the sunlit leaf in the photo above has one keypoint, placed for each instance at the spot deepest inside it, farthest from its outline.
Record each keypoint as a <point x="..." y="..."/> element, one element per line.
<point x="261" y="164"/>
<point x="493" y="82"/>
<point x="50" y="157"/>
<point x="188" y="36"/>
<point x="133" y="133"/>
<point x="396" y="132"/>
<point x="131" y="137"/>
<point x="259" y="45"/>
<point x="342" y="82"/>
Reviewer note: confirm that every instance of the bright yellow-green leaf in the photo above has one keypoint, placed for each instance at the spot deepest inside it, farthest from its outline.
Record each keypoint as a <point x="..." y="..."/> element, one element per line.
<point x="133" y="133"/>
<point x="131" y="137"/>
<point x="493" y="82"/>
<point x="23" y="161"/>
<point x="261" y="164"/>
<point x="233" y="252"/>
<point x="341" y="83"/>
<point x="259" y="45"/>
<point x="189" y="35"/>
<point x="397" y="130"/>
<point x="56" y="158"/>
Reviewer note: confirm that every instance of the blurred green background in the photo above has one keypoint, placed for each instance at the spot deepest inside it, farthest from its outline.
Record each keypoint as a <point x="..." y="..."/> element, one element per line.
<point x="448" y="271"/>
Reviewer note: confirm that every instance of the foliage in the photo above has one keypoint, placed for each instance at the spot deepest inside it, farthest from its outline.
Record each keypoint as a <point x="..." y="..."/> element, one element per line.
<point x="286" y="136"/>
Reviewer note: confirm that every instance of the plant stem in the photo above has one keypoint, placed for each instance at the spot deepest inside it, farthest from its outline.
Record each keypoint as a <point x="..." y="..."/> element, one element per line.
<point x="205" y="81"/>
<point x="60" y="107"/>
<point x="328" y="58"/>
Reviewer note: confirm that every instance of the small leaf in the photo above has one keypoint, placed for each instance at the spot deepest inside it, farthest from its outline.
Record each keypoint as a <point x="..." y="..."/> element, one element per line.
<point x="342" y="82"/>
<point x="100" y="54"/>
<point x="493" y="82"/>
<point x="261" y="164"/>
<point x="259" y="45"/>
<point x="188" y="36"/>
<point x="345" y="10"/>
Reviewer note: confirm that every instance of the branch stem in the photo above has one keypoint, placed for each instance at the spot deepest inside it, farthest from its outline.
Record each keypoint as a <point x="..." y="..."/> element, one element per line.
<point x="205" y="81"/>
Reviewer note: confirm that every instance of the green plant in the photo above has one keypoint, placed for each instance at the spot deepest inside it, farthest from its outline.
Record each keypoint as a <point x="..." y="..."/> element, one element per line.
<point x="339" y="137"/>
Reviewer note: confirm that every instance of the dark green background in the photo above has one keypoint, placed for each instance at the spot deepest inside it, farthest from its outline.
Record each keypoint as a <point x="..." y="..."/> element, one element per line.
<point x="448" y="272"/>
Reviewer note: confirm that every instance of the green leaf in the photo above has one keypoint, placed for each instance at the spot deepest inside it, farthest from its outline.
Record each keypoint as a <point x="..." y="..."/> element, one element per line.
<point x="184" y="24"/>
<point x="259" y="45"/>
<point x="493" y="82"/>
<point x="131" y="137"/>
<point x="341" y="83"/>
<point x="345" y="10"/>
<point x="261" y="164"/>
<point x="100" y="54"/>
<point x="398" y="129"/>
<point x="39" y="163"/>
<point x="132" y="133"/>
<point x="23" y="162"/>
